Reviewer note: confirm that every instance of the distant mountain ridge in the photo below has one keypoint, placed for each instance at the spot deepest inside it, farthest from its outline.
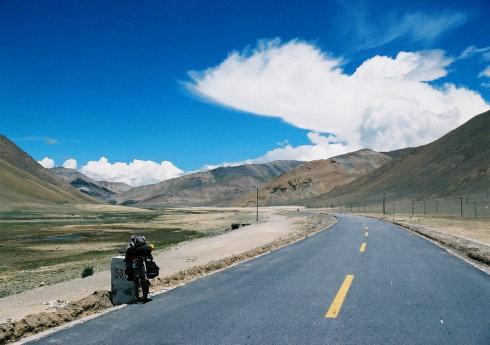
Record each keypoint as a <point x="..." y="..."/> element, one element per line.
<point x="83" y="183"/>
<point x="116" y="187"/>
<point x="297" y="186"/>
<point x="457" y="162"/>
<point x="217" y="187"/>
<point x="25" y="183"/>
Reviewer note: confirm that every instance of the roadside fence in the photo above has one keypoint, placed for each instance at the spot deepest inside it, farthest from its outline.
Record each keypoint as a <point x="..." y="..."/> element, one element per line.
<point x="466" y="205"/>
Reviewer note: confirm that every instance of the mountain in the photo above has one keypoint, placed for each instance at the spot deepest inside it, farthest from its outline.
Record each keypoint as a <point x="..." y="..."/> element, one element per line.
<point x="116" y="187"/>
<point x="314" y="178"/>
<point x="25" y="183"/>
<point x="83" y="183"/>
<point x="396" y="154"/>
<point x="456" y="163"/>
<point x="217" y="187"/>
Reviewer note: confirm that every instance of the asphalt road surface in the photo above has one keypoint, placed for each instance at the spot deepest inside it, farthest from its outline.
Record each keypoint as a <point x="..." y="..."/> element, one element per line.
<point x="397" y="288"/>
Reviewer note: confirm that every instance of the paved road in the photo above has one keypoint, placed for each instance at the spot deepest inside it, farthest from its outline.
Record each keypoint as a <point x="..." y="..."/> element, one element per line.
<point x="404" y="290"/>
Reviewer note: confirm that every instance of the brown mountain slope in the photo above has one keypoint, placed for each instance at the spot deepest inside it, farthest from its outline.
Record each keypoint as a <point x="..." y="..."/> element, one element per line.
<point x="116" y="187"/>
<point x="314" y="178"/>
<point x="23" y="182"/>
<point x="458" y="162"/>
<point x="83" y="183"/>
<point x="217" y="187"/>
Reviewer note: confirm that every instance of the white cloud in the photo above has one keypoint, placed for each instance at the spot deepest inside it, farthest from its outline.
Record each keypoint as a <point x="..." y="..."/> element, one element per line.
<point x="135" y="173"/>
<point x="322" y="146"/>
<point x="472" y="51"/>
<point x="424" y="27"/>
<point x="47" y="162"/>
<point x="390" y="26"/>
<point x="387" y="103"/>
<point x="46" y="140"/>
<point x="485" y="72"/>
<point x="70" y="164"/>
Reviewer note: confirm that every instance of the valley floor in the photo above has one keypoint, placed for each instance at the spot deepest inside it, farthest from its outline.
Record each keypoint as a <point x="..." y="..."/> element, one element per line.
<point x="274" y="223"/>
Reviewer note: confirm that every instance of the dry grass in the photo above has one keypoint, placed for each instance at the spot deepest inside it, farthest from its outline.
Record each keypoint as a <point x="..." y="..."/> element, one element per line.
<point x="56" y="246"/>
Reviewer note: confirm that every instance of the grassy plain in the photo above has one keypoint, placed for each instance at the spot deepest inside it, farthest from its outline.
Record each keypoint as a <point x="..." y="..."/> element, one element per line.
<point x="46" y="247"/>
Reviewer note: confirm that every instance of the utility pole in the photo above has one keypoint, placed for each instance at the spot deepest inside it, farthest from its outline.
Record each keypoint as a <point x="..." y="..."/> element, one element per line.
<point x="437" y="207"/>
<point x="467" y="198"/>
<point x="332" y="206"/>
<point x="476" y="215"/>
<point x="413" y="207"/>
<point x="461" y="205"/>
<point x="394" y="208"/>
<point x="384" y="203"/>
<point x="257" y="214"/>
<point x="424" y="207"/>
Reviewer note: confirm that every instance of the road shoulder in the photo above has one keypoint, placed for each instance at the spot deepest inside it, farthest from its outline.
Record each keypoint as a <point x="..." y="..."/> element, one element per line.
<point x="474" y="252"/>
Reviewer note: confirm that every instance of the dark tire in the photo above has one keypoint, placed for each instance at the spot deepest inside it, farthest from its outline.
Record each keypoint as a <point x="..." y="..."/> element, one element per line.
<point x="144" y="284"/>
<point x="145" y="287"/>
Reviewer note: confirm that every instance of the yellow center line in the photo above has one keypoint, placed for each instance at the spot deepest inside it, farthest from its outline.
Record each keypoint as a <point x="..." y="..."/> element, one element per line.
<point x="366" y="234"/>
<point x="334" y="309"/>
<point x="363" y="248"/>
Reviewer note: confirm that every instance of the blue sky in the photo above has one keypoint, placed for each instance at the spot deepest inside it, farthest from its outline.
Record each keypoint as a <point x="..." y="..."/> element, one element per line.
<point x="85" y="79"/>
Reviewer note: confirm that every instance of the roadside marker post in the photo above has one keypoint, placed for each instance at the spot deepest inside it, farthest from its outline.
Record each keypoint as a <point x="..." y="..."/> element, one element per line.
<point x="123" y="291"/>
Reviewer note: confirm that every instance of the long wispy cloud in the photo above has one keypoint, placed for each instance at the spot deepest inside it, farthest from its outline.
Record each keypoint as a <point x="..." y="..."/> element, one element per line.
<point x="373" y="29"/>
<point x="46" y="140"/>
<point x="471" y="51"/>
<point x="387" y="103"/>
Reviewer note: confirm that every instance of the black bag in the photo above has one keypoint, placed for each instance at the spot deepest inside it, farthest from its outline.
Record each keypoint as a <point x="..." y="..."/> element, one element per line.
<point x="134" y="245"/>
<point x="152" y="269"/>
